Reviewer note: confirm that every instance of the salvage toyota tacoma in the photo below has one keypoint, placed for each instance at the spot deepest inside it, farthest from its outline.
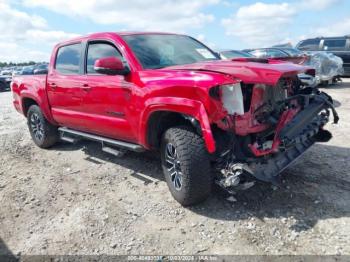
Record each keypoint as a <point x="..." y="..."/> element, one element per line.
<point x="213" y="121"/>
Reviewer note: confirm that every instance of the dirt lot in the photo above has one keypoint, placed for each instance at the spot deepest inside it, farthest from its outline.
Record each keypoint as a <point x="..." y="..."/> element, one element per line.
<point x="74" y="199"/>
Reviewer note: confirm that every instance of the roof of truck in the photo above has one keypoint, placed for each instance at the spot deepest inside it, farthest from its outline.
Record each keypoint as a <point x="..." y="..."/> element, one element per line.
<point x="104" y="34"/>
<point x="145" y="33"/>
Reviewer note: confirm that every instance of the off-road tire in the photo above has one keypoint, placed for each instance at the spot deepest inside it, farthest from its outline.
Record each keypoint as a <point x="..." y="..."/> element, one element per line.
<point x="49" y="134"/>
<point x="194" y="165"/>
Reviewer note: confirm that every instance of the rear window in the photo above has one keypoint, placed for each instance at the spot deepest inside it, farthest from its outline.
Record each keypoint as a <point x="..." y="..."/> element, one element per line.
<point x="334" y="44"/>
<point x="309" y="45"/>
<point x="68" y="59"/>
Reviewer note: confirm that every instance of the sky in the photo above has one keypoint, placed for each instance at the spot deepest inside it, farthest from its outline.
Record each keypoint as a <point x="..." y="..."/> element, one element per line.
<point x="30" y="28"/>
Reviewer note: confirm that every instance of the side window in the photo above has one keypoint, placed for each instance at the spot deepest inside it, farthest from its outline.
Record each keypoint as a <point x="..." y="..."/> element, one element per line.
<point x="334" y="44"/>
<point x="68" y="59"/>
<point x="309" y="45"/>
<point x="97" y="51"/>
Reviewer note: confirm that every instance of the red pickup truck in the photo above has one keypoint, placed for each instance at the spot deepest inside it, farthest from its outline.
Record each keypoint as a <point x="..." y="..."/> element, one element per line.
<point x="213" y="121"/>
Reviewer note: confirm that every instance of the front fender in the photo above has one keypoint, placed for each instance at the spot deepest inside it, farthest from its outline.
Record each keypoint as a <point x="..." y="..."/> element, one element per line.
<point x="186" y="106"/>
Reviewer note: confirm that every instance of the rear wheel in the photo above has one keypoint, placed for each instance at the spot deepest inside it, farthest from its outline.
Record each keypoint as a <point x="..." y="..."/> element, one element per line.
<point x="186" y="165"/>
<point x="42" y="132"/>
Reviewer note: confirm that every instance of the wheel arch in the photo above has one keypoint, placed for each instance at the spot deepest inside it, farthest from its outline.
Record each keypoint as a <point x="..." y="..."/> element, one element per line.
<point x="27" y="102"/>
<point x="160" y="121"/>
<point x="163" y="113"/>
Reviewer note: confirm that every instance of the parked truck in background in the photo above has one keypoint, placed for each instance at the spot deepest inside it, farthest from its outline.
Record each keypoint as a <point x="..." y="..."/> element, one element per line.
<point x="339" y="46"/>
<point x="213" y="121"/>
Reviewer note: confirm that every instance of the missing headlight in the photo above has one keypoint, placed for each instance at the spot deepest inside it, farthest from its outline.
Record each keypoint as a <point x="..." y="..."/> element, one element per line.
<point x="232" y="99"/>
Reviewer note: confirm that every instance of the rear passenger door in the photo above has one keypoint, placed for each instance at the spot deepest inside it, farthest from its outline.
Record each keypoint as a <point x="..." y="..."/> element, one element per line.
<point x="64" y="86"/>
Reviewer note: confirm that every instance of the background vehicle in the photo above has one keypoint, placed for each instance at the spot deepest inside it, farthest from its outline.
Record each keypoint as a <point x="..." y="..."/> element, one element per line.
<point x="339" y="46"/>
<point x="229" y="54"/>
<point x="167" y="92"/>
<point x="6" y="72"/>
<point x="328" y="66"/>
<point x="5" y="81"/>
<point x="17" y="71"/>
<point x="27" y="70"/>
<point x="41" y="69"/>
<point x="285" y="54"/>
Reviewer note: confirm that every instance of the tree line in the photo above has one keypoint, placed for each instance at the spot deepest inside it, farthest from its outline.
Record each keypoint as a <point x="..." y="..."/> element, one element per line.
<point x="7" y="64"/>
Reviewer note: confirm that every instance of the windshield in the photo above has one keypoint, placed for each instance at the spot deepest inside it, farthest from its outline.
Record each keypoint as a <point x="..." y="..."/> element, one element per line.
<point x="158" y="51"/>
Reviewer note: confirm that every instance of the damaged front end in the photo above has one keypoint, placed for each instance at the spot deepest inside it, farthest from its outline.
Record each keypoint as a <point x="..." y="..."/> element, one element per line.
<point x="268" y="127"/>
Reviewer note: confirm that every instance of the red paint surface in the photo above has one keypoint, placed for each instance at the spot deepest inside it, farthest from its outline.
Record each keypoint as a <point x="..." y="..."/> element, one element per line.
<point x="113" y="63"/>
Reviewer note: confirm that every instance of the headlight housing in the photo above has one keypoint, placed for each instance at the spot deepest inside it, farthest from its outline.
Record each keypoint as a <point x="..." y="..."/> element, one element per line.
<point x="232" y="98"/>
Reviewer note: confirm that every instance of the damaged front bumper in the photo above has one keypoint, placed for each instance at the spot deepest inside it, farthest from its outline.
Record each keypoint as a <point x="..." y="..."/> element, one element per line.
<point x="296" y="136"/>
<point x="297" y="129"/>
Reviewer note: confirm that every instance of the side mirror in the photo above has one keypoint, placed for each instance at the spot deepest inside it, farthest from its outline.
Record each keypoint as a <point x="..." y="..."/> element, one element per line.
<point x="110" y="66"/>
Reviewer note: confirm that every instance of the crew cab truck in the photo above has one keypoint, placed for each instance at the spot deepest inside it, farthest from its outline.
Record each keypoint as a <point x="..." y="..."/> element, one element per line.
<point x="213" y="121"/>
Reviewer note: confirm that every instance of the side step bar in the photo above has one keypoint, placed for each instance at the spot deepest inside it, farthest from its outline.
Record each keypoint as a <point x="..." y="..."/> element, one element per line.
<point x="112" y="142"/>
<point x="69" y="139"/>
<point x="112" y="151"/>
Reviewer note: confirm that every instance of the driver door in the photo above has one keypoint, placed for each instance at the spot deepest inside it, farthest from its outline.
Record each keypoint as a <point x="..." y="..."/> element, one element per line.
<point x="106" y="98"/>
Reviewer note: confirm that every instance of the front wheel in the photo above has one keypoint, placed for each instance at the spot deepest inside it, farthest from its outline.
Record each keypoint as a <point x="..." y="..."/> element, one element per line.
<point x="186" y="165"/>
<point x="42" y="132"/>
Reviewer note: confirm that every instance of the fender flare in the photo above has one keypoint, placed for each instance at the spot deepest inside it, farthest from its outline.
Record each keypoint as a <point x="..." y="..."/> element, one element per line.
<point x="45" y="109"/>
<point x="186" y="106"/>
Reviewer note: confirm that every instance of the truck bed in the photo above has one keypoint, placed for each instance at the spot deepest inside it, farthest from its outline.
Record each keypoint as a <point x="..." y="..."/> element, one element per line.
<point x="29" y="86"/>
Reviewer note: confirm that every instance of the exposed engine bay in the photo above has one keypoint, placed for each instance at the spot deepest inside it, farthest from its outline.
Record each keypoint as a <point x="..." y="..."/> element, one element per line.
<point x="272" y="128"/>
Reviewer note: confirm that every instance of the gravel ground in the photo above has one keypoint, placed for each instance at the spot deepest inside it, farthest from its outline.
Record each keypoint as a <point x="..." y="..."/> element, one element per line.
<point x="75" y="199"/>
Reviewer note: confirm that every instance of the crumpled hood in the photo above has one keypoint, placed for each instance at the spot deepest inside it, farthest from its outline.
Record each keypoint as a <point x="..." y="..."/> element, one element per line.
<point x="265" y="72"/>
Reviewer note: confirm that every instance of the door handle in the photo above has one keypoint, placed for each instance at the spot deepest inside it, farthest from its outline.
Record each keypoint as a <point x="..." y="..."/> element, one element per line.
<point x="86" y="87"/>
<point x="53" y="85"/>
